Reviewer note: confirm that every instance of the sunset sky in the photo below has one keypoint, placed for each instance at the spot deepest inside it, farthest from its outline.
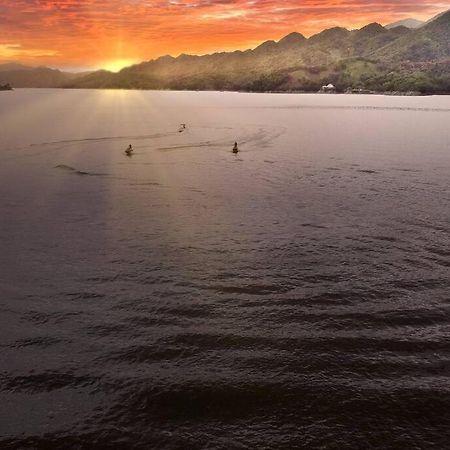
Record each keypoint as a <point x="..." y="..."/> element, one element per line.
<point x="87" y="34"/>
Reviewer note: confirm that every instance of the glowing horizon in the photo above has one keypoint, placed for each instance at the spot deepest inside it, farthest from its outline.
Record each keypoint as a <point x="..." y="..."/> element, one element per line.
<point x="112" y="34"/>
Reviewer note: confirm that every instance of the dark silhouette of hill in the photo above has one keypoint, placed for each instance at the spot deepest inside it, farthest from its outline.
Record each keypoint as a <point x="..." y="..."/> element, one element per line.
<point x="19" y="75"/>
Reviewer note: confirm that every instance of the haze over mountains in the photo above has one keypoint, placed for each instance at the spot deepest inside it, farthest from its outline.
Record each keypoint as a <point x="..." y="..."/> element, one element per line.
<point x="408" y="23"/>
<point x="405" y="56"/>
<point x="19" y="75"/>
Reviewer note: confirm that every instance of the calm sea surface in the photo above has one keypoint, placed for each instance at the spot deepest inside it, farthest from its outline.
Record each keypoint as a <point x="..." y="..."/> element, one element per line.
<point x="293" y="296"/>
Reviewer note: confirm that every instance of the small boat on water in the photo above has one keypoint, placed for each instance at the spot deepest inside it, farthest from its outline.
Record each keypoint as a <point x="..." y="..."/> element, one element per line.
<point x="129" y="150"/>
<point x="6" y="87"/>
<point x="182" y="128"/>
<point x="235" y="148"/>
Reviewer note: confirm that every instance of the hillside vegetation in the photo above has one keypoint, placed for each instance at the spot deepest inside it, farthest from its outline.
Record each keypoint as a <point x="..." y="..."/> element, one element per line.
<point x="374" y="58"/>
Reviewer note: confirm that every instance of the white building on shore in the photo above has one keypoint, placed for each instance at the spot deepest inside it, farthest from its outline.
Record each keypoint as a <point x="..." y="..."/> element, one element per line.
<point x="329" y="88"/>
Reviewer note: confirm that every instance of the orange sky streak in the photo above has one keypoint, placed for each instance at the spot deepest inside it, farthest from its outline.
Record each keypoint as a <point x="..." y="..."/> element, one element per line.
<point x="94" y="33"/>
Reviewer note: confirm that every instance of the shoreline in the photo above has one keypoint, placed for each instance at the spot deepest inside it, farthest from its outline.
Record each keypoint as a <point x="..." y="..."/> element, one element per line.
<point x="371" y="93"/>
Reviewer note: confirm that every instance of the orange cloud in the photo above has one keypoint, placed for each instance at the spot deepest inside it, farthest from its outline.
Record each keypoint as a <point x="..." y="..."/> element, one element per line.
<point x="102" y="32"/>
<point x="15" y="51"/>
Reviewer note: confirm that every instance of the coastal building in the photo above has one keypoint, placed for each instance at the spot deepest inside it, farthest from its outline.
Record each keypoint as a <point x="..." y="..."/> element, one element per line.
<point x="329" y="88"/>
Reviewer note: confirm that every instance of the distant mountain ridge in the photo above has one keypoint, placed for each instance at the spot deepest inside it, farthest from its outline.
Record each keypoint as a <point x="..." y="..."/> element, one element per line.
<point x="413" y="23"/>
<point x="408" y="23"/>
<point x="393" y="58"/>
<point x="19" y="75"/>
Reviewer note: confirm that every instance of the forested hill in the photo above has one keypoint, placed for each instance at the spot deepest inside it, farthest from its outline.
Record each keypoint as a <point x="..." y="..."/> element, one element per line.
<point x="374" y="58"/>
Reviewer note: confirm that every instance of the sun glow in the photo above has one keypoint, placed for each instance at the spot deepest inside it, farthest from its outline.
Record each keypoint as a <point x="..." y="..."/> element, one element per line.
<point x="116" y="65"/>
<point x="92" y="34"/>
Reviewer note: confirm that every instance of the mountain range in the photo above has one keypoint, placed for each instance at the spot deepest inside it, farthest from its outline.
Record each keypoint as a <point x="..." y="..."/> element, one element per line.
<point x="408" y="56"/>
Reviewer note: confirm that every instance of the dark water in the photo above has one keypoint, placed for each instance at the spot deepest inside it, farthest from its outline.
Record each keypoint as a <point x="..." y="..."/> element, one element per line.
<point x="294" y="296"/>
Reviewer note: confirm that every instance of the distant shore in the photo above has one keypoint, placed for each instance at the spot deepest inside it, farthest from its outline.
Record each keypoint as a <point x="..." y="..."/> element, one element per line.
<point x="6" y="87"/>
<point x="347" y="92"/>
